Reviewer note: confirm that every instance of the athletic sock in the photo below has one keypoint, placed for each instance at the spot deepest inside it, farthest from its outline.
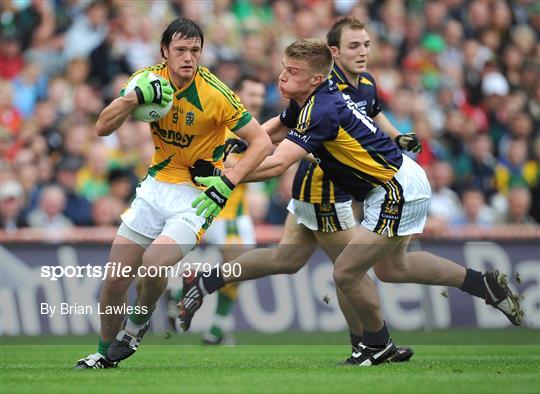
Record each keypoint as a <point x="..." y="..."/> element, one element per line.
<point x="474" y="284"/>
<point x="224" y="308"/>
<point x="212" y="282"/>
<point x="355" y="339"/>
<point x="103" y="346"/>
<point x="137" y="321"/>
<point x="377" y="339"/>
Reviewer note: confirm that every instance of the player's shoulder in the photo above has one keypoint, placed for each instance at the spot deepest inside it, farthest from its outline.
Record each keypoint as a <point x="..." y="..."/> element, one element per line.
<point x="212" y="81"/>
<point x="158" y="69"/>
<point x="367" y="79"/>
<point x="216" y="88"/>
<point x="321" y="105"/>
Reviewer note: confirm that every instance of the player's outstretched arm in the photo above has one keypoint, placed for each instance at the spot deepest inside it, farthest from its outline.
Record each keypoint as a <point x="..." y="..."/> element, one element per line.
<point x="285" y="155"/>
<point x="112" y="117"/>
<point x="407" y="141"/>
<point x="386" y="125"/>
<point x="275" y="129"/>
<point x="259" y="146"/>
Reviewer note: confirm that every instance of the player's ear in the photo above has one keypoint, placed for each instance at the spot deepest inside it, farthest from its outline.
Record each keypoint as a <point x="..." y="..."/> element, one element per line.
<point x="164" y="52"/>
<point x="318" y="78"/>
<point x="334" y="50"/>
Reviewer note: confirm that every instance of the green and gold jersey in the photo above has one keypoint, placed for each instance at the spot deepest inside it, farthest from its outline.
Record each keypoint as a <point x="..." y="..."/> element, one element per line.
<point x="195" y="127"/>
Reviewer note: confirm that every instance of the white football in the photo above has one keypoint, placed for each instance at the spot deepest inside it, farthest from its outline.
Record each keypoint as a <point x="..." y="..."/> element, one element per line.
<point x="147" y="112"/>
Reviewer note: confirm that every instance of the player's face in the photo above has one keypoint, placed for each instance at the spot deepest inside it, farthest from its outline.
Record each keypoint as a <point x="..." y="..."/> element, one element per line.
<point x="252" y="96"/>
<point x="183" y="57"/>
<point x="352" y="54"/>
<point x="297" y="80"/>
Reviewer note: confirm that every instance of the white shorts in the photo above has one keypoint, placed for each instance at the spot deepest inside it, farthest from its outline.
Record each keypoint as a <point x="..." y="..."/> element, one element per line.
<point x="327" y="218"/>
<point x="159" y="205"/>
<point x="239" y="231"/>
<point x="400" y="206"/>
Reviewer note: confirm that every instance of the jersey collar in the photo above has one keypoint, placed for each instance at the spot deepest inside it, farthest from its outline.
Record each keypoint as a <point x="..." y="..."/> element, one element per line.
<point x="324" y="84"/>
<point x="339" y="76"/>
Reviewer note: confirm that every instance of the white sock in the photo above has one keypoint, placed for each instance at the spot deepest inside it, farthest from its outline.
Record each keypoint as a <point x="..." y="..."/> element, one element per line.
<point x="132" y="328"/>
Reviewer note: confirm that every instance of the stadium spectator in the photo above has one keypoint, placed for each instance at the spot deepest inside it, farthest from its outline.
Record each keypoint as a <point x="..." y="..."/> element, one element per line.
<point x="48" y="215"/>
<point x="445" y="204"/>
<point x="92" y="177"/>
<point x="78" y="209"/>
<point x="11" y="60"/>
<point x="475" y="211"/>
<point x="106" y="211"/>
<point x="476" y="166"/>
<point x="464" y="75"/>
<point x="516" y="168"/>
<point x="121" y="184"/>
<point x="519" y="204"/>
<point x="11" y="204"/>
<point x="87" y="31"/>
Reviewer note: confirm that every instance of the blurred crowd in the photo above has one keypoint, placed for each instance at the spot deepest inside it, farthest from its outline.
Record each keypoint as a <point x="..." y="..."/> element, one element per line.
<point x="465" y="75"/>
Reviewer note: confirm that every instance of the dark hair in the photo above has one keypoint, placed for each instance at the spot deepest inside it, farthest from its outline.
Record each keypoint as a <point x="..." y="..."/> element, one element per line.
<point x="333" y="38"/>
<point x="239" y="84"/>
<point x="185" y="28"/>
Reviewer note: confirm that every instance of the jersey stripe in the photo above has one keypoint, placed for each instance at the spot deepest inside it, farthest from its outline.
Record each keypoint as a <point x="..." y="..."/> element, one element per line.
<point x="357" y="157"/>
<point x="221" y="87"/>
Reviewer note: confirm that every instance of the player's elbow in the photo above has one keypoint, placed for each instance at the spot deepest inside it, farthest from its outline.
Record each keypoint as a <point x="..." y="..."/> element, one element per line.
<point x="278" y="169"/>
<point x="101" y="129"/>
<point x="266" y="145"/>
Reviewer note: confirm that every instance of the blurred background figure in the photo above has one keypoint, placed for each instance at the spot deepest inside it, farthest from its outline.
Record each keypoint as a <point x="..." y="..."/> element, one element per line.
<point x="463" y="75"/>
<point x="11" y="204"/>
<point x="48" y="215"/>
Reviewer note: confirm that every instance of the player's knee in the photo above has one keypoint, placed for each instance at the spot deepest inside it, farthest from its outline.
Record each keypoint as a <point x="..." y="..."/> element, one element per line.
<point x="117" y="283"/>
<point x="343" y="278"/>
<point x="388" y="273"/>
<point x="288" y="261"/>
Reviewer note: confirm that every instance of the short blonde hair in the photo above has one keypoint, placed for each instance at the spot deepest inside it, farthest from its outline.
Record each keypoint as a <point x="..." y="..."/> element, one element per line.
<point x="313" y="51"/>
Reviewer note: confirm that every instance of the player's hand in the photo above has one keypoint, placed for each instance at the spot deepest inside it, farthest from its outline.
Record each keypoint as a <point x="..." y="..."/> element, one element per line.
<point x="409" y="142"/>
<point x="212" y="200"/>
<point x="234" y="145"/>
<point x="203" y="168"/>
<point x="158" y="91"/>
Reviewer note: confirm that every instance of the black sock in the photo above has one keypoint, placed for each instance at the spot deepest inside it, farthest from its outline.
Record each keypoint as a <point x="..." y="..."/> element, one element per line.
<point x="355" y="339"/>
<point x="474" y="284"/>
<point x="377" y="339"/>
<point x="212" y="282"/>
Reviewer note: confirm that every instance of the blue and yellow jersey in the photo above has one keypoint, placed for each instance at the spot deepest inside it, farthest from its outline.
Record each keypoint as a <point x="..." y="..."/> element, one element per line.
<point x="353" y="152"/>
<point x="195" y="128"/>
<point x="365" y="95"/>
<point x="310" y="183"/>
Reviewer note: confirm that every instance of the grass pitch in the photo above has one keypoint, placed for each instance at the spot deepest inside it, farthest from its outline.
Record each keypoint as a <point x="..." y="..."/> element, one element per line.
<point x="444" y="362"/>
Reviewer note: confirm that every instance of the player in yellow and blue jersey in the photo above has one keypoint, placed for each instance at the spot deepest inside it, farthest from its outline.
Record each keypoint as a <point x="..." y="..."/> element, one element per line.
<point x="363" y="161"/>
<point x="169" y="213"/>
<point x="319" y="212"/>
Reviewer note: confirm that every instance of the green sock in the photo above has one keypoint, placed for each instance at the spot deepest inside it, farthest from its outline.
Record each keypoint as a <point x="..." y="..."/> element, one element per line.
<point x="103" y="346"/>
<point x="224" y="308"/>
<point x="141" y="318"/>
<point x="178" y="297"/>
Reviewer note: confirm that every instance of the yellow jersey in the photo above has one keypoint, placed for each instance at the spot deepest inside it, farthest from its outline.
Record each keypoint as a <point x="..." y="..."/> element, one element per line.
<point x="195" y="127"/>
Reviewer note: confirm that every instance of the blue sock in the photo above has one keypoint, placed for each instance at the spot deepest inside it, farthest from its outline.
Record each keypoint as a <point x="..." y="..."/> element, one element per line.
<point x="355" y="339"/>
<point x="377" y="339"/>
<point x="212" y="282"/>
<point x="474" y="284"/>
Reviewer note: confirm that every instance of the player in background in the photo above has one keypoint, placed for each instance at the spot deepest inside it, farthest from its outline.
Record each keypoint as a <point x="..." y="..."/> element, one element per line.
<point x="233" y="230"/>
<point x="319" y="212"/>
<point x="162" y="225"/>
<point x="363" y="161"/>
